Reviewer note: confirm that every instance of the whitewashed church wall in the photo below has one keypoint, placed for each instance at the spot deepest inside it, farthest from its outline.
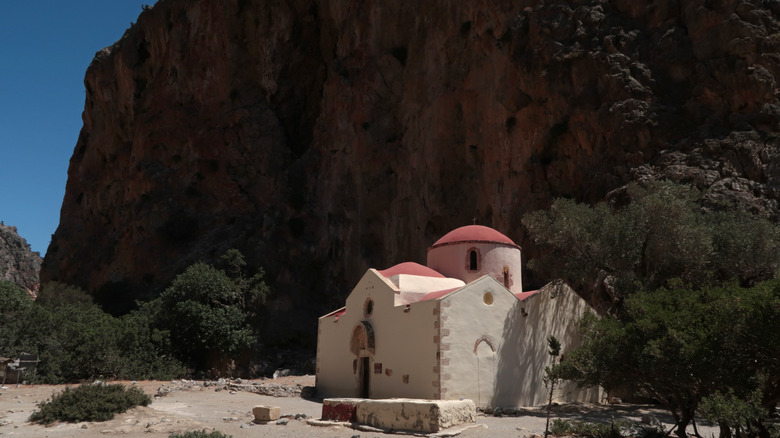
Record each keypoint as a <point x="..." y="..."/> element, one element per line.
<point x="552" y="311"/>
<point x="405" y="359"/>
<point x="404" y="355"/>
<point x="472" y="321"/>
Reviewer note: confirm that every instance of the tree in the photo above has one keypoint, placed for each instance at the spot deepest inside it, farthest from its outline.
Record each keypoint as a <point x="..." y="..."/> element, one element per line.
<point x="681" y="345"/>
<point x="13" y="299"/>
<point x="55" y="293"/>
<point x="609" y="251"/>
<point x="14" y="304"/>
<point x="727" y="410"/>
<point x="208" y="311"/>
<point x="147" y="351"/>
<point x="550" y="378"/>
<point x="252" y="291"/>
<point x="73" y="342"/>
<point x="76" y="340"/>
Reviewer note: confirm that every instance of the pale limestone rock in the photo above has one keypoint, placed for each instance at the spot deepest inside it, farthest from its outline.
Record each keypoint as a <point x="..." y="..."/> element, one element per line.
<point x="266" y="413"/>
<point x="427" y="416"/>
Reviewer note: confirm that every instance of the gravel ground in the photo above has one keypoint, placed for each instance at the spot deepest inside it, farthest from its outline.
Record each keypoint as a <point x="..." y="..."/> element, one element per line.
<point x="189" y="405"/>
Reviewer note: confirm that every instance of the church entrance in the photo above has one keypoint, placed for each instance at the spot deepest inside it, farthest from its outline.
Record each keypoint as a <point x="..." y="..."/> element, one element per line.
<point x="362" y="347"/>
<point x="364" y="378"/>
<point x="486" y="371"/>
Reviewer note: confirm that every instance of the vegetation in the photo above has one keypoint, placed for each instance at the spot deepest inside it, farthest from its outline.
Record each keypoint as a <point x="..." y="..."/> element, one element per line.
<point x="682" y="346"/>
<point x="727" y="410"/>
<point x="14" y="303"/>
<point x="550" y="379"/>
<point x="609" y="251"/>
<point x="693" y="307"/>
<point x="89" y="403"/>
<point x="209" y="311"/>
<point x="76" y="340"/>
<point x="206" y="313"/>
<point x="13" y="300"/>
<point x="615" y="429"/>
<point x="200" y="434"/>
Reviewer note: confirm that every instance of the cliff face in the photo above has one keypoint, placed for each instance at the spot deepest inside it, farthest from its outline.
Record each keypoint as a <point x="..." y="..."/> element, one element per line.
<point x="18" y="263"/>
<point x="325" y="137"/>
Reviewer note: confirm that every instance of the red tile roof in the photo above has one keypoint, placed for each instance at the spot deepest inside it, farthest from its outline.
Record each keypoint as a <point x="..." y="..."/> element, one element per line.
<point x="523" y="295"/>
<point x="437" y="294"/>
<point x="473" y="233"/>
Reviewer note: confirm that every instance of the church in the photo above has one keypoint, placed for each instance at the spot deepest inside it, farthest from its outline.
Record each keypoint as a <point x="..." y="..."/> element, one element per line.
<point x="459" y="327"/>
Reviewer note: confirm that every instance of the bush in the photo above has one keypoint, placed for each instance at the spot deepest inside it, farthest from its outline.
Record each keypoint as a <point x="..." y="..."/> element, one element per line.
<point x="76" y="340"/>
<point x="205" y="316"/>
<point x="200" y="434"/>
<point x="596" y="430"/>
<point x="89" y="403"/>
<point x="560" y="427"/>
<point x="615" y="429"/>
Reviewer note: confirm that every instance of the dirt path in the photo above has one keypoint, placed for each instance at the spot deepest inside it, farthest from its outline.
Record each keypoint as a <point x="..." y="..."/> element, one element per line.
<point x="196" y="407"/>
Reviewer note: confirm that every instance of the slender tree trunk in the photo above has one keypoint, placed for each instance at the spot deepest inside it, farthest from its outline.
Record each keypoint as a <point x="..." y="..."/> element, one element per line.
<point x="549" y="408"/>
<point x="725" y="430"/>
<point x="682" y="426"/>
<point x="695" y="429"/>
<point x="761" y="428"/>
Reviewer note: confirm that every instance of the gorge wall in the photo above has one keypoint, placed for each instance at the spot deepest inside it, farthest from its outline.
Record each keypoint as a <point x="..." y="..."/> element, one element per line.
<point x="18" y="263"/>
<point x="323" y="137"/>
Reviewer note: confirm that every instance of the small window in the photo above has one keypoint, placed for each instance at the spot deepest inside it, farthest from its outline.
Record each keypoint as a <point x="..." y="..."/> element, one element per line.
<point x="473" y="265"/>
<point x="506" y="277"/>
<point x="368" y="308"/>
<point x="487" y="298"/>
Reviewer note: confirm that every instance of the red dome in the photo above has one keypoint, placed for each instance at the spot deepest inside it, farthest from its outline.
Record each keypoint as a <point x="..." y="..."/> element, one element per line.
<point x="410" y="268"/>
<point x="473" y="233"/>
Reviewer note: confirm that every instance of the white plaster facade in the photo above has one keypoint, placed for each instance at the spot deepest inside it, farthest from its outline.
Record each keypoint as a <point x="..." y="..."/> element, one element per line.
<point x="439" y="332"/>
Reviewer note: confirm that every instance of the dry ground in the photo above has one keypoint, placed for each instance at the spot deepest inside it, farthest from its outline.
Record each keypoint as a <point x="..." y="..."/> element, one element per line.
<point x="231" y="412"/>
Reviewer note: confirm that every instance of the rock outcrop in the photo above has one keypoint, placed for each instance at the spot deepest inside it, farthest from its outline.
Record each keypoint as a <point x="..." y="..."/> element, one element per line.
<point x="325" y="137"/>
<point x="18" y="263"/>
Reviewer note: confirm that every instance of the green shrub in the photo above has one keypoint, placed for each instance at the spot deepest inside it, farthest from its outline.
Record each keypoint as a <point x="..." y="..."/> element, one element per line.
<point x="200" y="434"/>
<point x="77" y="341"/>
<point x="596" y="430"/>
<point x="615" y="429"/>
<point x="560" y="427"/>
<point x="89" y="403"/>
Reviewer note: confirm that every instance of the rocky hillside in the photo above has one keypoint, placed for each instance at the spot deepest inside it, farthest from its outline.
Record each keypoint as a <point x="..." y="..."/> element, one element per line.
<point x="18" y="263"/>
<point x="323" y="137"/>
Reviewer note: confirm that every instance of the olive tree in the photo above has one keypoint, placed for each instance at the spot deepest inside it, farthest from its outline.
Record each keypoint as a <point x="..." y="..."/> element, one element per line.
<point x="658" y="233"/>
<point x="208" y="311"/>
<point x="682" y="346"/>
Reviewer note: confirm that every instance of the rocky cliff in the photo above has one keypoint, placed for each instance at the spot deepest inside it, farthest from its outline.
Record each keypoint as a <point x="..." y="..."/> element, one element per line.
<point x="324" y="137"/>
<point x="18" y="263"/>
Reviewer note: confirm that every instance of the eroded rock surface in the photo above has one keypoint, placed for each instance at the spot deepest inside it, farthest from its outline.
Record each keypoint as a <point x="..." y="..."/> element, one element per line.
<point x="325" y="137"/>
<point x="18" y="263"/>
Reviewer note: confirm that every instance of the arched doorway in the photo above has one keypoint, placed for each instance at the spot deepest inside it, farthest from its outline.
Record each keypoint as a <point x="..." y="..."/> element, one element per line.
<point x="362" y="347"/>
<point x="485" y="354"/>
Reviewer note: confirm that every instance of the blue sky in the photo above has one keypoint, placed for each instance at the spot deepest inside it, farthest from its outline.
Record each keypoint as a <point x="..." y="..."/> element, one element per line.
<point x="45" y="48"/>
